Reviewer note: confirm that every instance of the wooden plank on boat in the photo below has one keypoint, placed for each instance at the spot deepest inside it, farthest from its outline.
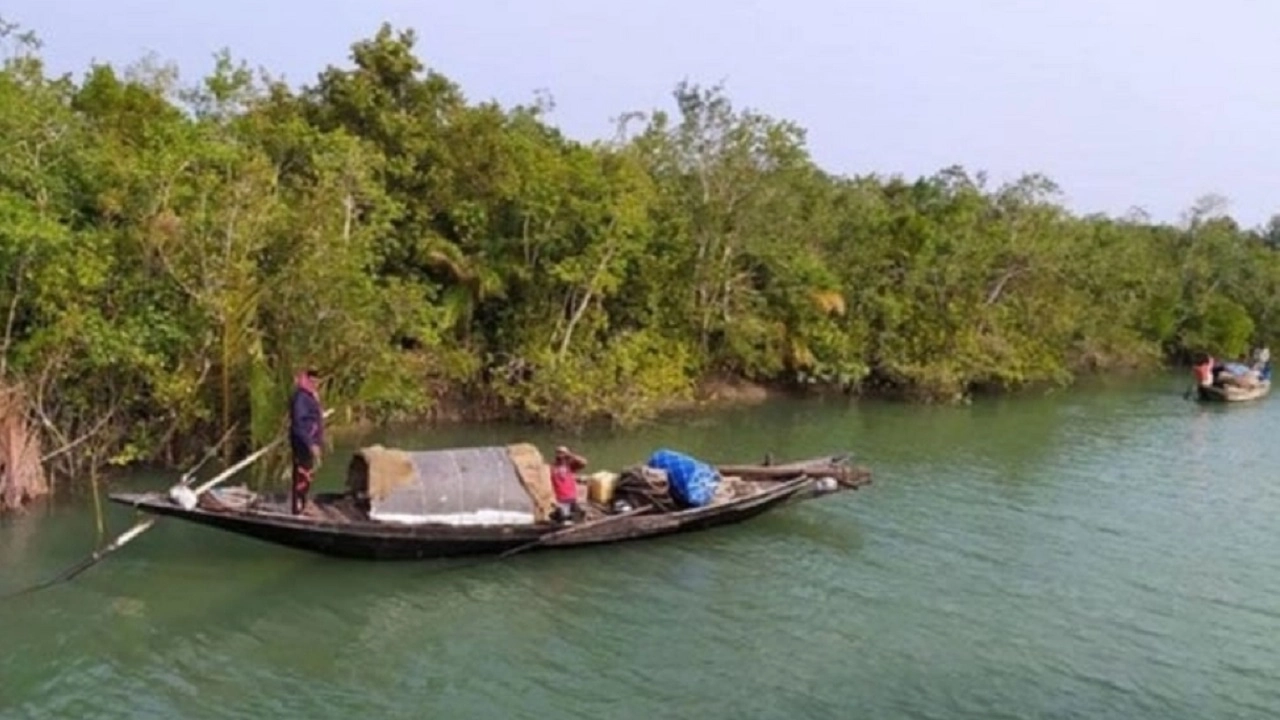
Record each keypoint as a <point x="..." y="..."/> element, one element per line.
<point x="577" y="533"/>
<point x="672" y="522"/>
<point x="572" y="532"/>
<point x="851" y="476"/>
<point x="786" y="470"/>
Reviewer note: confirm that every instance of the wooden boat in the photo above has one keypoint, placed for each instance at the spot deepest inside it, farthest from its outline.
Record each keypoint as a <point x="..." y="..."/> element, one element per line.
<point x="1233" y="393"/>
<point x="494" y="500"/>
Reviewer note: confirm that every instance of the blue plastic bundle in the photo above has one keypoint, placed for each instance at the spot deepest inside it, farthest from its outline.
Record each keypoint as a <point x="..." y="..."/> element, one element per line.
<point x="1236" y="368"/>
<point x="692" y="482"/>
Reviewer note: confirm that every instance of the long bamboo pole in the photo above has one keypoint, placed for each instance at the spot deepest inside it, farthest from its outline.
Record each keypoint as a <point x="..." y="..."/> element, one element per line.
<point x="127" y="536"/>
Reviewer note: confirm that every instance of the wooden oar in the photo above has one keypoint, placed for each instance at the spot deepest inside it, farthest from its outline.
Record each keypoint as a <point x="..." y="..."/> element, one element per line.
<point x="574" y="530"/>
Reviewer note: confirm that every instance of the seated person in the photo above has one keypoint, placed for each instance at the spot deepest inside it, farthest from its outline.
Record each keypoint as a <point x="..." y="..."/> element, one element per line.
<point x="1210" y="372"/>
<point x="564" y="482"/>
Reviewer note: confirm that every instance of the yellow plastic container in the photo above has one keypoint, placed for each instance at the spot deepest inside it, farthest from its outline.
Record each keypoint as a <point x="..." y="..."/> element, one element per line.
<point x="600" y="487"/>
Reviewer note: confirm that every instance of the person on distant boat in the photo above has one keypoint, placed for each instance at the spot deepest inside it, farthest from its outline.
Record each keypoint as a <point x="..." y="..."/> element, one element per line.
<point x="306" y="435"/>
<point x="1202" y="369"/>
<point x="1262" y="363"/>
<point x="1210" y="372"/>
<point x="564" y="482"/>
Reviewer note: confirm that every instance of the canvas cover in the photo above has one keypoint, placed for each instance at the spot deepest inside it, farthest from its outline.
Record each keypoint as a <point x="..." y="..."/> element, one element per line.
<point x="480" y="485"/>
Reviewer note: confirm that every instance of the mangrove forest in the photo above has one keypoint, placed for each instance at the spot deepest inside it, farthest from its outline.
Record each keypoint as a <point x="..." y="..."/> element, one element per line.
<point x="174" y="252"/>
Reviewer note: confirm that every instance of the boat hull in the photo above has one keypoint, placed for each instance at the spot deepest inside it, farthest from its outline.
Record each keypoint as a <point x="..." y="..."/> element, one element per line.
<point x="369" y="540"/>
<point x="1209" y="393"/>
<point x="361" y="540"/>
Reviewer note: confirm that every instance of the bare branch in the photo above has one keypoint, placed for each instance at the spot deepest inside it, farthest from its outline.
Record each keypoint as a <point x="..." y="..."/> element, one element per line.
<point x="584" y="302"/>
<point x="587" y="294"/>
<point x="38" y="405"/>
<point x="102" y="422"/>
<point x="1000" y="285"/>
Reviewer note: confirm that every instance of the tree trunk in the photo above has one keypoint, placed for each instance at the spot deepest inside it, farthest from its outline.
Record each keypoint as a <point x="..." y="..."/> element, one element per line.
<point x="22" y="477"/>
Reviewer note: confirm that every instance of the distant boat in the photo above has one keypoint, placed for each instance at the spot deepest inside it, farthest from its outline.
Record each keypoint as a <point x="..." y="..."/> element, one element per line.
<point x="1233" y="381"/>
<point x="467" y="501"/>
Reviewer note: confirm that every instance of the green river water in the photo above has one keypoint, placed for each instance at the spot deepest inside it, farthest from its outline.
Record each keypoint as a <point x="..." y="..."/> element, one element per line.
<point x="1108" y="552"/>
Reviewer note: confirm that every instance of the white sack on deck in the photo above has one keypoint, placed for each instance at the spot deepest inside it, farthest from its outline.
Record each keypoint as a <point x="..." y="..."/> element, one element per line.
<point x="479" y="517"/>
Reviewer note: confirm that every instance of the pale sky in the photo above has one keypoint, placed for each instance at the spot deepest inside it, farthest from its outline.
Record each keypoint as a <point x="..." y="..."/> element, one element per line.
<point x="1124" y="103"/>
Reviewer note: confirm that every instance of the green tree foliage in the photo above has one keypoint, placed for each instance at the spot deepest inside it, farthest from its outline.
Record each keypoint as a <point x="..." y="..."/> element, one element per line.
<point x="173" y="254"/>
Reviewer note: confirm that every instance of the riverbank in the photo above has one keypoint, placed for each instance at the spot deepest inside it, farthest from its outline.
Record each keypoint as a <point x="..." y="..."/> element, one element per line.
<point x="454" y="410"/>
<point x="718" y="393"/>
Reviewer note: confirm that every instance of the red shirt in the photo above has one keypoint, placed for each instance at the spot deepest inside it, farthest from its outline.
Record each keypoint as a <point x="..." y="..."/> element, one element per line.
<point x="1204" y="372"/>
<point x="564" y="483"/>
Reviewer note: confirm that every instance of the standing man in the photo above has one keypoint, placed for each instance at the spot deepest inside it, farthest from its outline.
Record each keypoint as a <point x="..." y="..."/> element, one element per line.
<point x="306" y="435"/>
